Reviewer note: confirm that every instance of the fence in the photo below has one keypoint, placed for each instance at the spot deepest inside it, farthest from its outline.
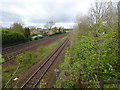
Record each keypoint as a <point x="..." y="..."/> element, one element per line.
<point x="100" y="83"/>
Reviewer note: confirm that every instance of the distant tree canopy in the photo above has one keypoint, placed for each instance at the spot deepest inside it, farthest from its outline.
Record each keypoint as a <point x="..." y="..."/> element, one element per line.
<point x="11" y="37"/>
<point x="32" y="27"/>
<point x="16" y="33"/>
<point x="49" y="25"/>
<point x="27" y="32"/>
<point x="17" y="27"/>
<point x="55" y="28"/>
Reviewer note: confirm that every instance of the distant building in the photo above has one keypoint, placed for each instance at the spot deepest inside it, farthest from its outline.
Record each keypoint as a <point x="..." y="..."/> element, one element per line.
<point x="33" y="31"/>
<point x="50" y="32"/>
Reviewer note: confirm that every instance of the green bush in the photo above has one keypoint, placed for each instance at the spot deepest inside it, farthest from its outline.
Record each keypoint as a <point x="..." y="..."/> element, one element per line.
<point x="11" y="37"/>
<point x="33" y="35"/>
<point x="91" y="57"/>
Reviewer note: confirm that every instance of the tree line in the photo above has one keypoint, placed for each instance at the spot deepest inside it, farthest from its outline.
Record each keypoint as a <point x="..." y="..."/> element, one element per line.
<point x="17" y="32"/>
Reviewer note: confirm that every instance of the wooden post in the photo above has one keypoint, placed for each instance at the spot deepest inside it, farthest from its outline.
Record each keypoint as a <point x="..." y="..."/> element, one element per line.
<point x="100" y="83"/>
<point x="78" y="84"/>
<point x="118" y="84"/>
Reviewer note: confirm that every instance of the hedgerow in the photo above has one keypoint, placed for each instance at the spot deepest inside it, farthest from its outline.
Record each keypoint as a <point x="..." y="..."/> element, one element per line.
<point x="11" y="37"/>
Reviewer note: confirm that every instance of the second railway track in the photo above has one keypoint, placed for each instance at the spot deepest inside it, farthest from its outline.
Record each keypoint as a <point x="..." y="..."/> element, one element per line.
<point x="38" y="75"/>
<point x="11" y="53"/>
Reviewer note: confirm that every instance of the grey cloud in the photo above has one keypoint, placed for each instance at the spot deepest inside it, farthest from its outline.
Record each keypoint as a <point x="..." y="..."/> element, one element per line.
<point x="56" y="12"/>
<point x="9" y="16"/>
<point x="52" y="10"/>
<point x="57" y="17"/>
<point x="7" y="3"/>
<point x="62" y="18"/>
<point x="37" y="20"/>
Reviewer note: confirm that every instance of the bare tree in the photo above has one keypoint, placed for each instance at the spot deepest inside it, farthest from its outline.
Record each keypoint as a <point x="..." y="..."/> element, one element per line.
<point x="49" y="25"/>
<point x="103" y="10"/>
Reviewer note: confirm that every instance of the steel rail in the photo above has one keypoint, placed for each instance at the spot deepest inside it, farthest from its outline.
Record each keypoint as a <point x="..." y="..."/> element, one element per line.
<point x="59" y="49"/>
<point x="5" y="50"/>
<point x="33" y="44"/>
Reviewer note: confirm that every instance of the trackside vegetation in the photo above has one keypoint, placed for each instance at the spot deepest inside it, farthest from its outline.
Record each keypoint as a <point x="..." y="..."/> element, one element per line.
<point x="93" y="54"/>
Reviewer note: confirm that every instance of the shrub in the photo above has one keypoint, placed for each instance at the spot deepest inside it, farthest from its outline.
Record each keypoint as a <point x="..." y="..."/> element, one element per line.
<point x="11" y="37"/>
<point x="91" y="57"/>
<point x="33" y="35"/>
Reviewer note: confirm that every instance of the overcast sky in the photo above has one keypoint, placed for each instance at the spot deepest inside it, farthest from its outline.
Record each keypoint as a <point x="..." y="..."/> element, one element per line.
<point x="38" y="12"/>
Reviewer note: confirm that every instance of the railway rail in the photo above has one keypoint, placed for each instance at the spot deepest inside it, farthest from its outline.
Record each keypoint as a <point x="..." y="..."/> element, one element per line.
<point x="10" y="53"/>
<point x="38" y="75"/>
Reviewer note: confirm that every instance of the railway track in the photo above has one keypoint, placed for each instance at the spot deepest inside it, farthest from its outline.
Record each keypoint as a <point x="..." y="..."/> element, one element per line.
<point x="19" y="46"/>
<point x="11" y="52"/>
<point x="38" y="75"/>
